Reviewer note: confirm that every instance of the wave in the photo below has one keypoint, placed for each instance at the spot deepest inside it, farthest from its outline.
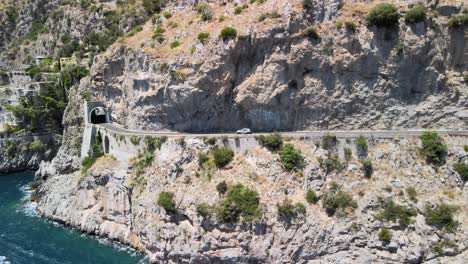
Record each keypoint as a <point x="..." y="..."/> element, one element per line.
<point x="3" y="260"/>
<point x="27" y="207"/>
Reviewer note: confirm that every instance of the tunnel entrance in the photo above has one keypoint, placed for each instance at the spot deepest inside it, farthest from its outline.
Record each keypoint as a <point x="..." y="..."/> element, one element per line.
<point x="98" y="115"/>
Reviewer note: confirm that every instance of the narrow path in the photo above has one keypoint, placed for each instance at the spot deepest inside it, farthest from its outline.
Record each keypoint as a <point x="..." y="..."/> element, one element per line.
<point x="313" y="134"/>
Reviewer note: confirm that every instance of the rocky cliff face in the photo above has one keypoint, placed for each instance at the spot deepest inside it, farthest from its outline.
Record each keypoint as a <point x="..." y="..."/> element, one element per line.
<point x="273" y="78"/>
<point x="26" y="153"/>
<point x="111" y="200"/>
<point x="276" y="75"/>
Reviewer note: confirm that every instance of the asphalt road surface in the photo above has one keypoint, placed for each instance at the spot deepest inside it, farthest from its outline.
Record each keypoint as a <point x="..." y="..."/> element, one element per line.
<point x="312" y="134"/>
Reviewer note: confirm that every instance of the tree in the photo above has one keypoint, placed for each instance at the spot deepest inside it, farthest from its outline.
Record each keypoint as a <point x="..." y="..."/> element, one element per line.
<point x="291" y="158"/>
<point x="433" y="147"/>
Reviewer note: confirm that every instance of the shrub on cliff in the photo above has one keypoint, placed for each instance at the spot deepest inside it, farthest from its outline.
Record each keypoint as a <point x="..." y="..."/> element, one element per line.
<point x="383" y="15"/>
<point x="394" y="212"/>
<point x="311" y="197"/>
<point x="204" y="210"/>
<point x="153" y="6"/>
<point x="166" y="201"/>
<point x="289" y="210"/>
<point x="240" y="203"/>
<point x="385" y="235"/>
<point x="458" y="20"/>
<point x="203" y="36"/>
<point x="310" y="33"/>
<point x="205" y="11"/>
<point x="329" y="141"/>
<point x="433" y="147"/>
<point x="361" y="146"/>
<point x="337" y="201"/>
<point x="228" y="33"/>
<point x="367" y="167"/>
<point x="462" y="170"/>
<point x="36" y="145"/>
<point x="222" y="156"/>
<point x="416" y="14"/>
<point x="272" y="142"/>
<point x="291" y="158"/>
<point x="307" y="4"/>
<point x="222" y="188"/>
<point x="331" y="163"/>
<point x="441" y="217"/>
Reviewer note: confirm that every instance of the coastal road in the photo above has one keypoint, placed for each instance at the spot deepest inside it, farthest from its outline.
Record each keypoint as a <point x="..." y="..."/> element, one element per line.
<point x="311" y="134"/>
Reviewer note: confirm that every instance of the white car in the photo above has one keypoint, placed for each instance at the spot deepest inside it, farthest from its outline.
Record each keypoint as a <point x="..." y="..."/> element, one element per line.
<point x="244" y="131"/>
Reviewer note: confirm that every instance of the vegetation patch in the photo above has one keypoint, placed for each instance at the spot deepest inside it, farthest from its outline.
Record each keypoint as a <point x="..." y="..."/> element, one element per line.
<point x="367" y="167"/>
<point x="36" y="145"/>
<point x="240" y="203"/>
<point x="385" y="235"/>
<point x="166" y="201"/>
<point x="311" y="197"/>
<point x="228" y="33"/>
<point x="441" y="217"/>
<point x="361" y="146"/>
<point x="458" y="21"/>
<point x="416" y="14"/>
<point x="433" y="147"/>
<point x="311" y="33"/>
<point x="272" y="142"/>
<point x="203" y="36"/>
<point x="291" y="158"/>
<point x="383" y="15"/>
<point x="462" y="170"/>
<point x="393" y="212"/>
<point x="205" y="11"/>
<point x="222" y="188"/>
<point x="289" y="210"/>
<point x="440" y="247"/>
<point x="338" y="202"/>
<point x="329" y="141"/>
<point x="222" y="156"/>
<point x="331" y="163"/>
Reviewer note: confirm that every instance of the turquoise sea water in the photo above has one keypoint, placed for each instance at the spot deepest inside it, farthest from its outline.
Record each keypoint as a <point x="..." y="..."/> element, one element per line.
<point x="27" y="238"/>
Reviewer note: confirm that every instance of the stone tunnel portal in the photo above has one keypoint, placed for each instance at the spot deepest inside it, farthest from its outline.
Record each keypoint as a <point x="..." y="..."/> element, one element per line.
<point x="98" y="115"/>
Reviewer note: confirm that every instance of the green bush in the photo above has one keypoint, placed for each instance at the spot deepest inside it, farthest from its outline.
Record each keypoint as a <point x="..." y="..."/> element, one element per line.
<point x="439" y="247"/>
<point x="331" y="163"/>
<point x="211" y="141"/>
<point x="135" y="140"/>
<point x="412" y="193"/>
<point x="202" y="158"/>
<point x="458" y="20"/>
<point x="348" y="154"/>
<point x="36" y="145"/>
<point x="311" y="33"/>
<point x="238" y="10"/>
<point x="174" y="44"/>
<point x="166" y="201"/>
<point x="87" y="163"/>
<point x="203" y="36"/>
<point x="240" y="203"/>
<point x="351" y="26"/>
<point x="307" y="4"/>
<point x="462" y="170"/>
<point x="272" y="142"/>
<point x="367" y="167"/>
<point x="339" y="24"/>
<point x="153" y="6"/>
<point x="393" y="212"/>
<point x="228" y="33"/>
<point x="383" y="15"/>
<point x="222" y="188"/>
<point x="385" y="235"/>
<point x="152" y="143"/>
<point x="135" y="30"/>
<point x="329" y="141"/>
<point x="441" y="217"/>
<point x="158" y="34"/>
<point x="416" y="14"/>
<point x="166" y="14"/>
<point x="291" y="158"/>
<point x="205" y="11"/>
<point x="465" y="78"/>
<point x="222" y="156"/>
<point x="433" y="147"/>
<point x="336" y="200"/>
<point x="361" y="146"/>
<point x="311" y="197"/>
<point x="204" y="210"/>
<point x="288" y="210"/>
